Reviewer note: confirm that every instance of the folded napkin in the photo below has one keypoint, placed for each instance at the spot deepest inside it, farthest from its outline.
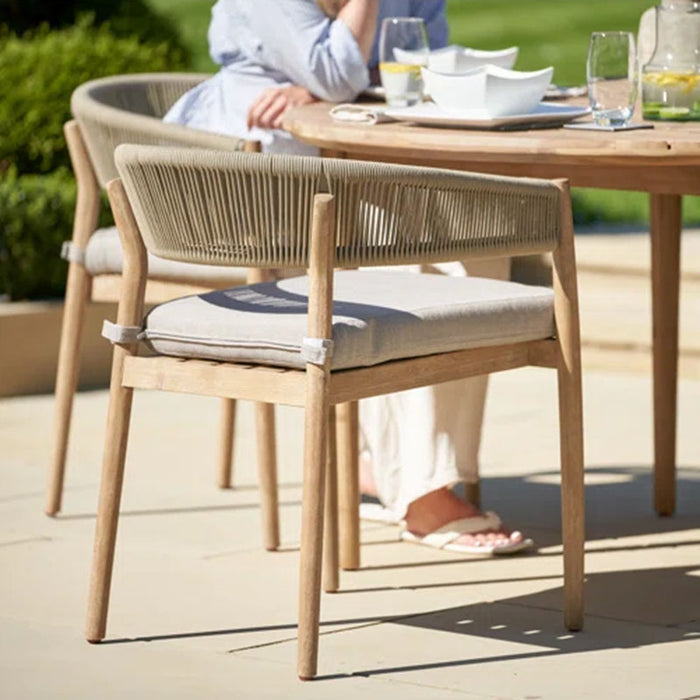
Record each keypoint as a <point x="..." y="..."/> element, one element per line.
<point x="359" y="114"/>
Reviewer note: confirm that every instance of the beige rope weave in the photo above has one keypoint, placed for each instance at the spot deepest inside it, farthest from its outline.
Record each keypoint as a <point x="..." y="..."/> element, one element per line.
<point x="129" y="109"/>
<point x="241" y="209"/>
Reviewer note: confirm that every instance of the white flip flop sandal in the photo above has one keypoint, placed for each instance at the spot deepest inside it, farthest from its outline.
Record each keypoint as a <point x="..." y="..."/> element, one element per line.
<point x="377" y="513"/>
<point x="445" y="536"/>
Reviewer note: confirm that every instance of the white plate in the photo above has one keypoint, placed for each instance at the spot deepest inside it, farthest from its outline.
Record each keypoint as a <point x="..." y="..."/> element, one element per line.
<point x="430" y="114"/>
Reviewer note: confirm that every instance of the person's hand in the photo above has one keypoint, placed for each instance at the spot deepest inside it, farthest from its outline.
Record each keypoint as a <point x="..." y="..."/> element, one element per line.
<point x="268" y="109"/>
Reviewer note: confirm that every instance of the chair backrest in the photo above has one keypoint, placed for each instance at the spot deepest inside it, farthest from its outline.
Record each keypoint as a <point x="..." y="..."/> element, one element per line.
<point x="223" y="208"/>
<point x="129" y="109"/>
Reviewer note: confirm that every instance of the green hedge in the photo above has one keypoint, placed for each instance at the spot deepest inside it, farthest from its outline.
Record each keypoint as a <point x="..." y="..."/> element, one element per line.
<point x="36" y="216"/>
<point x="38" y="75"/>
<point x="126" y="17"/>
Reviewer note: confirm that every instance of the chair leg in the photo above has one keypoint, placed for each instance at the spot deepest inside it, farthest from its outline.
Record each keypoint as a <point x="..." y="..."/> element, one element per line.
<point x="227" y="430"/>
<point x="348" y="485"/>
<point x="267" y="474"/>
<point x="331" y="581"/>
<point x="572" y="492"/>
<point x="315" y="459"/>
<point x="77" y="291"/>
<point x="120" y="399"/>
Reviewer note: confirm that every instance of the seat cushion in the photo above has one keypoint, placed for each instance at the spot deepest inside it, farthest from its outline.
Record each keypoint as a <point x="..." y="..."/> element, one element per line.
<point x="103" y="256"/>
<point x="377" y="316"/>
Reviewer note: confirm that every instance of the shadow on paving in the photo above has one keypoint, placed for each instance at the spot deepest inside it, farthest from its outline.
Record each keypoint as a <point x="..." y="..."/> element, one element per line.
<point x="619" y="503"/>
<point x="625" y="610"/>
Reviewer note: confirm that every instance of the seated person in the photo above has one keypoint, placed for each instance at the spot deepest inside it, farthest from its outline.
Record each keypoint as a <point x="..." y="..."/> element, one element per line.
<point x="276" y="54"/>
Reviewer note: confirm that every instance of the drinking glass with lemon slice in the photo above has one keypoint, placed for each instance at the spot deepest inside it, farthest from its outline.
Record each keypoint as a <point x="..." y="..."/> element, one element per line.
<point x="403" y="50"/>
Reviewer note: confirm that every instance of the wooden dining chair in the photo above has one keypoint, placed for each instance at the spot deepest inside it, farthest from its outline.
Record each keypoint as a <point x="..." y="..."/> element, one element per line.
<point x="333" y="337"/>
<point x="110" y="111"/>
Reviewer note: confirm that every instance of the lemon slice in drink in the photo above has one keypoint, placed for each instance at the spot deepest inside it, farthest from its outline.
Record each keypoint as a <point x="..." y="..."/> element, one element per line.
<point x="397" y="68"/>
<point x="674" y="112"/>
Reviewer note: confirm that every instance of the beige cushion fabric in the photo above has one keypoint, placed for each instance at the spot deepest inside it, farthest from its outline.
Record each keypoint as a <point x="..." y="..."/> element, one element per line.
<point x="103" y="255"/>
<point x="378" y="316"/>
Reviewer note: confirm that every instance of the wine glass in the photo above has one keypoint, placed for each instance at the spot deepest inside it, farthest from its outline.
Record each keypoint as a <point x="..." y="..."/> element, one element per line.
<point x="611" y="71"/>
<point x="403" y="50"/>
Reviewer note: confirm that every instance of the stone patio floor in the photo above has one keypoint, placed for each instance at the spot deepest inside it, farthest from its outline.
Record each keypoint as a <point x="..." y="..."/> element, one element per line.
<point x="199" y="610"/>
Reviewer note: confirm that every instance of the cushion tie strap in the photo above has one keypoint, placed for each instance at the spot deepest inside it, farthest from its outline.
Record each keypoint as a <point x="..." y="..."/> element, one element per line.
<point x="119" y="335"/>
<point x="71" y="253"/>
<point x="316" y="350"/>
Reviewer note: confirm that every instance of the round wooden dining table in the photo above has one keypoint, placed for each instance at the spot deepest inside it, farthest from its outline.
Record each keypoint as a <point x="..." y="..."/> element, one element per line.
<point x="663" y="161"/>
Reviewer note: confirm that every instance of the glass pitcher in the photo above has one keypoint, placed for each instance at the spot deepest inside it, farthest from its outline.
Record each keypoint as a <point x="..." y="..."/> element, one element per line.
<point x="671" y="79"/>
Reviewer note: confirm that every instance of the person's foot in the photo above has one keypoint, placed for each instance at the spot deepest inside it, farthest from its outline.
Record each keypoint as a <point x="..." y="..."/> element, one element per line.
<point x="437" y="508"/>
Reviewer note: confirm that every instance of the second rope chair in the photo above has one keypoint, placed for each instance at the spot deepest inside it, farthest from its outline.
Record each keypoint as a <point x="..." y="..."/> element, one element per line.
<point x="110" y="111"/>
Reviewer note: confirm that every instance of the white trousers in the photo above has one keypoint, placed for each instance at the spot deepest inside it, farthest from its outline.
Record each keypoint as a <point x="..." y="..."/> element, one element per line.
<point x="428" y="438"/>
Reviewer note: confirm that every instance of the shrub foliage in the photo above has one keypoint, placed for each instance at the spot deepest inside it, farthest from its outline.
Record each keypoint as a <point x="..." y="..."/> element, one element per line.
<point x="36" y="216"/>
<point x="38" y="72"/>
<point x="126" y="17"/>
<point x="38" y="75"/>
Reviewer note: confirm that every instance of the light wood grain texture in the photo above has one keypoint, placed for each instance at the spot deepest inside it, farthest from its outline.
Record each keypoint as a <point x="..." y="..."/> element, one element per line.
<point x="130" y="314"/>
<point x="347" y="426"/>
<point x="400" y="375"/>
<point x="665" y="278"/>
<point x="675" y="143"/>
<point x="226" y="434"/>
<point x="315" y="435"/>
<point x="267" y="450"/>
<point x="207" y="378"/>
<point x="570" y="417"/>
<point x="267" y="474"/>
<point x="77" y="293"/>
<point x="331" y="578"/>
<point x="663" y="161"/>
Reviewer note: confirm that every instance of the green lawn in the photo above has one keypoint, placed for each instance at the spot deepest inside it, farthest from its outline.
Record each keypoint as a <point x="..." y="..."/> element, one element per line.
<point x="548" y="32"/>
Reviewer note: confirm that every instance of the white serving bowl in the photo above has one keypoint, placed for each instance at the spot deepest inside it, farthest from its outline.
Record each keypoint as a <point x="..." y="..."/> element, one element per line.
<point x="487" y="92"/>
<point x="459" y="59"/>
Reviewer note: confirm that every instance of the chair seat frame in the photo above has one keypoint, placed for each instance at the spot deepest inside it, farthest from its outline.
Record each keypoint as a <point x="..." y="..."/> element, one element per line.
<point x="320" y="390"/>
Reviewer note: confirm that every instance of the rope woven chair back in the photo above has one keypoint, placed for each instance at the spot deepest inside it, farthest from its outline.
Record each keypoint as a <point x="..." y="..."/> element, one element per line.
<point x="242" y="209"/>
<point x="129" y="109"/>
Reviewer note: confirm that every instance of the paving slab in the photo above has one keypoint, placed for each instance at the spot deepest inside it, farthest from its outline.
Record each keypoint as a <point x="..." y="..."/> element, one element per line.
<point x="200" y="610"/>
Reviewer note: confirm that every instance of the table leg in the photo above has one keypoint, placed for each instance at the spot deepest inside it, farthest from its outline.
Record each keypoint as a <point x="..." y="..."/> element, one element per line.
<point x="665" y="278"/>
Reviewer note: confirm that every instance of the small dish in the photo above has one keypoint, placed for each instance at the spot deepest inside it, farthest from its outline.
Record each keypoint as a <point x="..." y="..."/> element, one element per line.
<point x="487" y="92"/>
<point x="459" y="59"/>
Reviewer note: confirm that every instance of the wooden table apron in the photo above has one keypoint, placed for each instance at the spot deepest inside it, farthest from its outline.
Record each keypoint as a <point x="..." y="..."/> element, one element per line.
<point x="664" y="162"/>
